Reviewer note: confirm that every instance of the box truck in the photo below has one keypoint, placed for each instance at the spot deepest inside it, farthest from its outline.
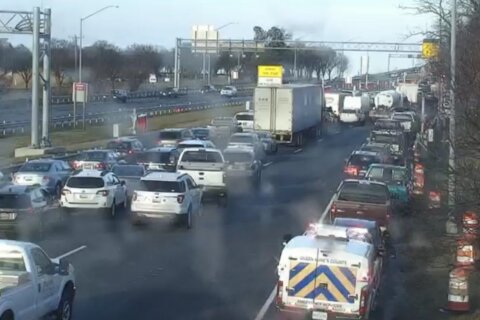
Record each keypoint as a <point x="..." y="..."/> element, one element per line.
<point x="291" y="113"/>
<point x="335" y="101"/>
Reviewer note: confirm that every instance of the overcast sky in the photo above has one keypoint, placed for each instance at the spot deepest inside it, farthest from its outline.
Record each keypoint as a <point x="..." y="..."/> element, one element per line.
<point x="159" y="22"/>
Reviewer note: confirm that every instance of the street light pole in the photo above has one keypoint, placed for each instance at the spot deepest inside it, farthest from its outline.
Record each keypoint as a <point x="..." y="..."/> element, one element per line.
<point x="451" y="158"/>
<point x="81" y="38"/>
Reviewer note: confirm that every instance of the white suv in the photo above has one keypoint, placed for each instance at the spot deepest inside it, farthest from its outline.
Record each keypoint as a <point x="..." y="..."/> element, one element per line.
<point x="91" y="189"/>
<point x="166" y="195"/>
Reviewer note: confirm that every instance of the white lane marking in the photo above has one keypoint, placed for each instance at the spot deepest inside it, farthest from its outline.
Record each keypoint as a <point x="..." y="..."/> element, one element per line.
<point x="267" y="164"/>
<point x="71" y="252"/>
<point x="298" y="150"/>
<point x="266" y="305"/>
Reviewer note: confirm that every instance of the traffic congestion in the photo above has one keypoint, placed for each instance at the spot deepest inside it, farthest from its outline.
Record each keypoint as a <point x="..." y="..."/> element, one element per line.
<point x="173" y="177"/>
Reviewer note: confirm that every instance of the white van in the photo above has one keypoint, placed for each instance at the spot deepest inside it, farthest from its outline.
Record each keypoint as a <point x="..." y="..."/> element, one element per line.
<point x="326" y="274"/>
<point x="245" y="120"/>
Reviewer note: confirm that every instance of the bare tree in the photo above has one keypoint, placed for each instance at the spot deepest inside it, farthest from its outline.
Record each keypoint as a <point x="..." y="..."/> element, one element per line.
<point x="22" y="63"/>
<point x="105" y="60"/>
<point x="62" y="59"/>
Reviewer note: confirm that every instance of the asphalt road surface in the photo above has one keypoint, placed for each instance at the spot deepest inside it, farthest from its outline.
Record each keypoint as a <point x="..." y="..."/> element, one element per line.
<point x="223" y="268"/>
<point x="21" y="112"/>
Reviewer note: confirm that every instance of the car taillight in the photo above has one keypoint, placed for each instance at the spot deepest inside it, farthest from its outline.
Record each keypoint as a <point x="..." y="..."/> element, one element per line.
<point x="224" y="177"/>
<point x="134" y="196"/>
<point x="29" y="210"/>
<point x="45" y="178"/>
<point x="130" y="151"/>
<point x="333" y="209"/>
<point x="351" y="170"/>
<point x="102" y="193"/>
<point x="180" y="198"/>
<point x="363" y="301"/>
<point x="100" y="165"/>
<point x="75" y="164"/>
<point x="65" y="192"/>
<point x="278" y="298"/>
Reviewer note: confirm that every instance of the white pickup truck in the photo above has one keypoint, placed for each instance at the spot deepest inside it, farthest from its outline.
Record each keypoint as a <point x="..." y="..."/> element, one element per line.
<point x="207" y="168"/>
<point x="32" y="285"/>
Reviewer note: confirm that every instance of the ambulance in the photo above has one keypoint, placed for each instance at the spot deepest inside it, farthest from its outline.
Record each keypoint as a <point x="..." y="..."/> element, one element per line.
<point x="324" y="274"/>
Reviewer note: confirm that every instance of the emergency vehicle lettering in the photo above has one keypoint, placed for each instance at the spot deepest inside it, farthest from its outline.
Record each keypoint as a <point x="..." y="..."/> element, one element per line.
<point x="322" y="282"/>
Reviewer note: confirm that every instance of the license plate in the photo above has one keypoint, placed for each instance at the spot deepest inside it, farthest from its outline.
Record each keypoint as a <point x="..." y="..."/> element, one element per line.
<point x="7" y="216"/>
<point x="157" y="200"/>
<point x="83" y="196"/>
<point x="319" y="315"/>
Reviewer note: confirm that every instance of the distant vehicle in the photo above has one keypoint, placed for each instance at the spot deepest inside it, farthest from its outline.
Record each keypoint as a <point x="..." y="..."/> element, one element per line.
<point x="224" y="126"/>
<point x="207" y="168"/>
<point x="243" y="164"/>
<point x="398" y="181"/>
<point x="362" y="199"/>
<point x="158" y="159"/>
<point x="173" y="136"/>
<point x="202" y="133"/>
<point x="32" y="285"/>
<point x="48" y="173"/>
<point x="131" y="174"/>
<point x="387" y="124"/>
<point x="24" y="209"/>
<point x="195" y="144"/>
<point x="170" y="92"/>
<point x="248" y="139"/>
<point x="383" y="149"/>
<point x="352" y="116"/>
<point x="90" y="189"/>
<point x="407" y="121"/>
<point x="358" y="163"/>
<point x="269" y="144"/>
<point x="228" y="91"/>
<point x="245" y="120"/>
<point x="334" y="100"/>
<point x="125" y="145"/>
<point x="96" y="160"/>
<point x="152" y="78"/>
<point x="120" y="95"/>
<point x="395" y="139"/>
<point x="163" y="195"/>
<point x="208" y="89"/>
<point x="373" y="229"/>
<point x="292" y="113"/>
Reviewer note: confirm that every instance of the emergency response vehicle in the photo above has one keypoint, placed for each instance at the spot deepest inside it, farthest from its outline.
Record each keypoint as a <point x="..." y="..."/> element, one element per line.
<point x="326" y="274"/>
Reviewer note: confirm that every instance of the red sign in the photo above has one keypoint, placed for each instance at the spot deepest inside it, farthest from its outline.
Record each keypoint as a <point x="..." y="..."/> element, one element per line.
<point x="80" y="86"/>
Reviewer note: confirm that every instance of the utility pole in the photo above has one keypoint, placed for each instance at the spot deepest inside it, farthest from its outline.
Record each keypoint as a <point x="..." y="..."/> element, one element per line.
<point x="35" y="76"/>
<point x="451" y="158"/>
<point x="46" y="74"/>
<point x="295" y="64"/>
<point x="75" y="51"/>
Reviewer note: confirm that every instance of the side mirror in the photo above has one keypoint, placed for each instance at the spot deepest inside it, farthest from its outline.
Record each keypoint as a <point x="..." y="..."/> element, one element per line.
<point x="287" y="238"/>
<point x="122" y="183"/>
<point x="63" y="267"/>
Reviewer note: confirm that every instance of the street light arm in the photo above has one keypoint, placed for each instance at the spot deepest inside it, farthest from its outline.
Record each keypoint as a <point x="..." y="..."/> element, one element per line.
<point x="226" y="25"/>
<point x="98" y="11"/>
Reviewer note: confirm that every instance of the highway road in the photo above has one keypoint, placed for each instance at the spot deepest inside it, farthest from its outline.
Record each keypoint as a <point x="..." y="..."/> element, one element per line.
<point x="20" y="113"/>
<point x="225" y="267"/>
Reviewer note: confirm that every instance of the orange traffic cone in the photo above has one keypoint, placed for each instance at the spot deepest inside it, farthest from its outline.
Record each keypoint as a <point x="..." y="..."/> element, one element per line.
<point x="458" y="299"/>
<point x="470" y="224"/>
<point x="465" y="253"/>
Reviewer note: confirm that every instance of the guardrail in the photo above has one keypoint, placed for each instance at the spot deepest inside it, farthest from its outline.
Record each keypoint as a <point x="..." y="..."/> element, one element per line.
<point x="67" y="99"/>
<point x="99" y="118"/>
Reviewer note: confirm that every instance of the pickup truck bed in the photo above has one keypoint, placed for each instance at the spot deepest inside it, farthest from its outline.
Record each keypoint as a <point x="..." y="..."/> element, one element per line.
<point x="360" y="210"/>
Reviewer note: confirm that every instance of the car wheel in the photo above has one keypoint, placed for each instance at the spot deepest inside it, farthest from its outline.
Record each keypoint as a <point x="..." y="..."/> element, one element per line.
<point x="112" y="211"/>
<point x="125" y="202"/>
<point x="58" y="191"/>
<point x="65" y="307"/>
<point x="189" y="219"/>
<point x="223" y="201"/>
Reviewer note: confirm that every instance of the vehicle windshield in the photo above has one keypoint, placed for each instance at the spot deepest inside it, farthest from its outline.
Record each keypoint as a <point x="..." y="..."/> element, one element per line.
<point x="387" y="174"/>
<point x="362" y="160"/>
<point x="15" y="201"/>
<point x="241" y="139"/>
<point x="128" y="171"/>
<point x="235" y="157"/>
<point x="119" y="145"/>
<point x="387" y="125"/>
<point x="170" y="135"/>
<point x="349" y="111"/>
<point x="95" y="156"/>
<point x="201" y="132"/>
<point x="363" y="192"/>
<point x="35" y="167"/>
<point x="402" y="117"/>
<point x="161" y="186"/>
<point x="11" y="262"/>
<point x="385" y="138"/>
<point x="202" y="156"/>
<point x="190" y="145"/>
<point x="244" y="117"/>
<point x="162" y="157"/>
<point x="85" y="182"/>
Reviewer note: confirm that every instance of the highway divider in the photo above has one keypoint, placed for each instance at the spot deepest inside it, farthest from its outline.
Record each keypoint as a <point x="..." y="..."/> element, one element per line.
<point x="121" y="116"/>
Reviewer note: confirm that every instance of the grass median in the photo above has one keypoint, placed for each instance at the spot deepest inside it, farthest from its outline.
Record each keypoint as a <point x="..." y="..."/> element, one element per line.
<point x="78" y="139"/>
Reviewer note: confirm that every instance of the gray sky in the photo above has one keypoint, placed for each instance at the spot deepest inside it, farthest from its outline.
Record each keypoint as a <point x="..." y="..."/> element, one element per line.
<point x="159" y="22"/>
